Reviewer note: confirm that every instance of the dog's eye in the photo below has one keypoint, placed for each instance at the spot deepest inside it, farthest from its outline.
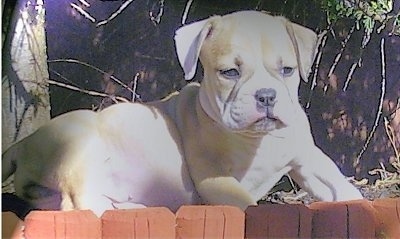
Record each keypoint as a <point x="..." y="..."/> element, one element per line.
<point x="287" y="71"/>
<point x="231" y="74"/>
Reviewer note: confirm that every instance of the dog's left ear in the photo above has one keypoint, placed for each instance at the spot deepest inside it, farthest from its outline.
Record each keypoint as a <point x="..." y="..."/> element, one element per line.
<point x="305" y="42"/>
<point x="188" y="42"/>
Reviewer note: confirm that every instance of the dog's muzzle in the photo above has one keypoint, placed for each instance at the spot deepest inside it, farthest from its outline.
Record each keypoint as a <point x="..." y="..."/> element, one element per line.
<point x="256" y="115"/>
<point x="266" y="99"/>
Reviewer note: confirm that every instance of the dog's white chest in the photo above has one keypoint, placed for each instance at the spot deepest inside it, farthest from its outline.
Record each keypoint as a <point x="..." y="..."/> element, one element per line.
<point x="271" y="161"/>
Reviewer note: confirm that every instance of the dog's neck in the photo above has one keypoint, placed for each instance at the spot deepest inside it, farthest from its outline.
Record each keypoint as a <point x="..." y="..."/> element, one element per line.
<point x="207" y="107"/>
<point x="210" y="111"/>
<point x="210" y="122"/>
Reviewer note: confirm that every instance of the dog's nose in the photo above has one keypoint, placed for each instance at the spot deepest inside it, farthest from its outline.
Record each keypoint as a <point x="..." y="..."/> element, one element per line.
<point x="265" y="97"/>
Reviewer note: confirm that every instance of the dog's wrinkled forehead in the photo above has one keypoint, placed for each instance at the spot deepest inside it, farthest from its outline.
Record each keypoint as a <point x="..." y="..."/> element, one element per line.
<point x="247" y="33"/>
<point x="247" y="25"/>
<point x="218" y="35"/>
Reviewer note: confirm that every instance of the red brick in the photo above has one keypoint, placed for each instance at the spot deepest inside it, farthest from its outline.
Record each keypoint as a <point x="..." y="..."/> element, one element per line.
<point x="348" y="219"/>
<point x="190" y="222"/>
<point x="11" y="226"/>
<point x="40" y="224"/>
<point x="155" y="222"/>
<point x="306" y="216"/>
<point x="361" y="217"/>
<point x="387" y="217"/>
<point x="234" y="222"/>
<point x="274" y="220"/>
<point x="210" y="222"/>
<point x="329" y="220"/>
<point x="58" y="224"/>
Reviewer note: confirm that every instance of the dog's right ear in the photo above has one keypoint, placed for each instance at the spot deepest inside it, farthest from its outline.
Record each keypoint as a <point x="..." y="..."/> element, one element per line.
<point x="305" y="42"/>
<point x="188" y="42"/>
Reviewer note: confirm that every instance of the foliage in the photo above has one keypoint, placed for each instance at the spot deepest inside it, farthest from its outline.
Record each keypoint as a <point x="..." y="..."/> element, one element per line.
<point x="375" y="20"/>
<point x="366" y="13"/>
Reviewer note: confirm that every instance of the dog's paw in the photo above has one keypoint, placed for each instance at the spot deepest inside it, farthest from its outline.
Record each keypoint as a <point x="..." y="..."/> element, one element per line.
<point x="348" y="193"/>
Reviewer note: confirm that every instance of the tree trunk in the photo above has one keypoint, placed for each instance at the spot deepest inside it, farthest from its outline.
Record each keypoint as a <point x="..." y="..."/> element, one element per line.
<point x="25" y="94"/>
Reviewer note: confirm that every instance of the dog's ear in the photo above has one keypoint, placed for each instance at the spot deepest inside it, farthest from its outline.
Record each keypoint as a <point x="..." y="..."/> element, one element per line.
<point x="188" y="42"/>
<point x="305" y="42"/>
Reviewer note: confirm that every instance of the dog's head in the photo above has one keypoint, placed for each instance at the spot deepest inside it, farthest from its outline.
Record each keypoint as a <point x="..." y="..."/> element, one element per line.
<point x="252" y="66"/>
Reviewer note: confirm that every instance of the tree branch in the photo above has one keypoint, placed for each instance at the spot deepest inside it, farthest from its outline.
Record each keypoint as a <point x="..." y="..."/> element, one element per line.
<point x="380" y="107"/>
<point x="94" y="68"/>
<point x="89" y="92"/>
<point x="185" y="13"/>
<point x="116" y="13"/>
<point x="83" y="12"/>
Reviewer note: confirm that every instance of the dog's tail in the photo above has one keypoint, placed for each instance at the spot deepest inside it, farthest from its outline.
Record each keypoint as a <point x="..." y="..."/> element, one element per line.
<point x="8" y="162"/>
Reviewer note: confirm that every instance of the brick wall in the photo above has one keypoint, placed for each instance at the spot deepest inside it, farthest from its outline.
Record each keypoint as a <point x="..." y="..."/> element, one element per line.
<point x="351" y="219"/>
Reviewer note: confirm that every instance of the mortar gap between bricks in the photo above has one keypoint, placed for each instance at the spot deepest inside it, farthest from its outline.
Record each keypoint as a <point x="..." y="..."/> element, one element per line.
<point x="313" y="222"/>
<point x="223" y="231"/>
<point x="298" y="222"/>
<point x="398" y="211"/>
<point x="54" y="225"/>
<point x="347" y="221"/>
<point x="149" y="229"/>
<point x="204" y="222"/>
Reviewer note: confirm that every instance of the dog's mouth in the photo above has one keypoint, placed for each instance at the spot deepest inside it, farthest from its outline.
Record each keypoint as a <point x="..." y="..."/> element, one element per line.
<point x="242" y="118"/>
<point x="268" y="123"/>
<point x="268" y="118"/>
<point x="265" y="120"/>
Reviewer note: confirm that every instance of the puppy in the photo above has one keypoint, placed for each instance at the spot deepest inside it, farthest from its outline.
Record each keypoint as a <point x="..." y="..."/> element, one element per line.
<point x="226" y="141"/>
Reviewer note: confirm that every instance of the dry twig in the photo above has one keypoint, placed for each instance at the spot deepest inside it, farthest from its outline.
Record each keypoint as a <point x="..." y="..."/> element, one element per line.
<point x="83" y="12"/>
<point x="135" y="80"/>
<point x="156" y="19"/>
<point x="86" y="4"/>
<point x="351" y="72"/>
<point x="379" y="112"/>
<point x="392" y="139"/>
<point x="185" y="13"/>
<point x="116" y="13"/>
<point x="339" y="55"/>
<point x="89" y="92"/>
<point x="320" y="45"/>
<point x="94" y="68"/>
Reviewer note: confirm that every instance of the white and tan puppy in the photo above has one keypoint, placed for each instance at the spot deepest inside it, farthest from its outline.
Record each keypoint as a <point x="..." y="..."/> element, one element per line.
<point x="236" y="135"/>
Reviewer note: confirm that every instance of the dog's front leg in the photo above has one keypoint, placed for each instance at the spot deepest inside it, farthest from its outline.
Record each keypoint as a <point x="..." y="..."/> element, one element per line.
<point x="224" y="190"/>
<point x="316" y="173"/>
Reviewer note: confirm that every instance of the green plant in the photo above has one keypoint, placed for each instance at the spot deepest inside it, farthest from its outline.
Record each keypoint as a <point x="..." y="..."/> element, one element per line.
<point x="366" y="13"/>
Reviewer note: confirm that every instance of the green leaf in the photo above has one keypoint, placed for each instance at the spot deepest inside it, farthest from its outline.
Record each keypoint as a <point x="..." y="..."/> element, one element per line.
<point x="374" y="5"/>
<point x="349" y="12"/>
<point x="368" y="24"/>
<point x="387" y="5"/>
<point x="357" y="25"/>
<point x="358" y="14"/>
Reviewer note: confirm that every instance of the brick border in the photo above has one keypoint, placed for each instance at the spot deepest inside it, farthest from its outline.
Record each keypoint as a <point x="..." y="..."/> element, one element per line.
<point x="350" y="219"/>
<point x="139" y="223"/>
<point x="222" y="222"/>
